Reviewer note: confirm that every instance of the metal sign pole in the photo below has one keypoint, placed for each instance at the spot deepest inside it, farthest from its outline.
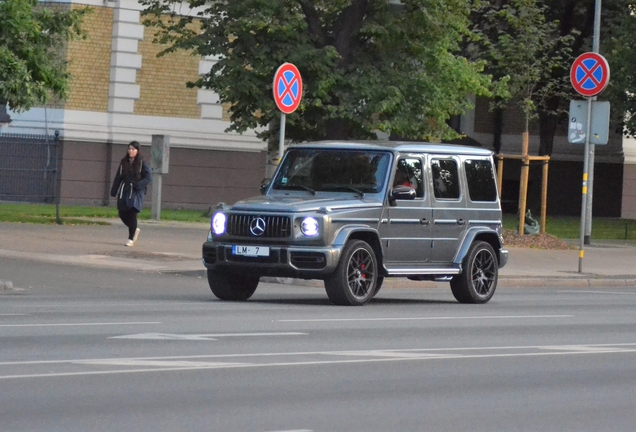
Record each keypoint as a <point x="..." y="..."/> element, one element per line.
<point x="590" y="169"/>
<point x="281" y="139"/>
<point x="584" y="184"/>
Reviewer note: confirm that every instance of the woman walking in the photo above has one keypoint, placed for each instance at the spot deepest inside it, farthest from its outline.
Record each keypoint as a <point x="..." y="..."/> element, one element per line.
<point x="129" y="187"/>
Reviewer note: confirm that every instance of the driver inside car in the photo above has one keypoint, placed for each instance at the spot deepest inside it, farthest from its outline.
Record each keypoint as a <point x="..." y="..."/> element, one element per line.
<point x="402" y="178"/>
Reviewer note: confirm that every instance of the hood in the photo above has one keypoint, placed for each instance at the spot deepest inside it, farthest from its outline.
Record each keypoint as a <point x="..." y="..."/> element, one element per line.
<point x="289" y="204"/>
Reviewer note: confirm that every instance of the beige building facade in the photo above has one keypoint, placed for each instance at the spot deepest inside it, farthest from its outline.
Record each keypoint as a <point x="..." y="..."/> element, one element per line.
<point x="121" y="91"/>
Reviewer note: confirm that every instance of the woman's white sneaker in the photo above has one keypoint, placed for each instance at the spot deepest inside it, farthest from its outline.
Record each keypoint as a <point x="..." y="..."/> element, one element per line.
<point x="129" y="242"/>
<point x="137" y="231"/>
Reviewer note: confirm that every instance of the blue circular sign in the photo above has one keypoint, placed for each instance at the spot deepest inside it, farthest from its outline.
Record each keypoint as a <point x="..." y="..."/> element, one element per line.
<point x="589" y="74"/>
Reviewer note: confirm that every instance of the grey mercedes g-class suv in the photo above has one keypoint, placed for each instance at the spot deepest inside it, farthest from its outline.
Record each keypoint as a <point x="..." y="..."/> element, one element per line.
<point x="354" y="213"/>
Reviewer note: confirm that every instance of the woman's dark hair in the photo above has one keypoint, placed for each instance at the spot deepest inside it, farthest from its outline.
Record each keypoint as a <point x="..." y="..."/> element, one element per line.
<point x="135" y="168"/>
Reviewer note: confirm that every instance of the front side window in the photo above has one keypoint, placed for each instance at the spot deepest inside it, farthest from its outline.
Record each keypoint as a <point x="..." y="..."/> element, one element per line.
<point x="409" y="173"/>
<point x="445" y="178"/>
<point x="333" y="170"/>
<point x="481" y="180"/>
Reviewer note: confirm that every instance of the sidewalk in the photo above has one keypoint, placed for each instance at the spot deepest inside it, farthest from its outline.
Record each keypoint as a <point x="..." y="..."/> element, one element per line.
<point x="174" y="247"/>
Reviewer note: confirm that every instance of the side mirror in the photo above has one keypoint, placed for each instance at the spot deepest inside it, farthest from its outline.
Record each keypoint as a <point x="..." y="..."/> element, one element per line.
<point x="402" y="193"/>
<point x="264" y="185"/>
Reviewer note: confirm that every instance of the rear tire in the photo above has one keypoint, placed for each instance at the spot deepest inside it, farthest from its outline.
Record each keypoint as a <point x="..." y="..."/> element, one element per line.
<point x="232" y="287"/>
<point x="355" y="279"/>
<point x="478" y="281"/>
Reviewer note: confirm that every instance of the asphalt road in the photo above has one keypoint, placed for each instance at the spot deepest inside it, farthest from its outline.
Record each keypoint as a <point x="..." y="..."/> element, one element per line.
<point x="85" y="349"/>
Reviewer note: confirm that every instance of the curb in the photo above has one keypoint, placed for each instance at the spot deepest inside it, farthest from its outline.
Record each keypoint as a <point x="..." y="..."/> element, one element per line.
<point x="592" y="281"/>
<point x="195" y="268"/>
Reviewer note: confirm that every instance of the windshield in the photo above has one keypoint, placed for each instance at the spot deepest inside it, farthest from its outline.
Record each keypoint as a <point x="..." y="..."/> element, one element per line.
<point x="333" y="170"/>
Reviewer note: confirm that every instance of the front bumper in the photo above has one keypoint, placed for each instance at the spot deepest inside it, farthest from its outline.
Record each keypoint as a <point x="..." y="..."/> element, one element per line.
<point x="282" y="261"/>
<point x="503" y="257"/>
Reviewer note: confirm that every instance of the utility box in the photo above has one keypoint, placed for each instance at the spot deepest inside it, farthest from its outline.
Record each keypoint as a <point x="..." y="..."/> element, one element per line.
<point x="160" y="154"/>
<point x="159" y="162"/>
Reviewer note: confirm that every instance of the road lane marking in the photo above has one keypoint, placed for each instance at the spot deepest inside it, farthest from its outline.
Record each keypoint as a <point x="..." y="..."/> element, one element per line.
<point x="309" y="363"/>
<point x="79" y="324"/>
<point x="199" y="337"/>
<point x="598" y="292"/>
<point x="426" y="318"/>
<point x="179" y="363"/>
<point x="155" y="363"/>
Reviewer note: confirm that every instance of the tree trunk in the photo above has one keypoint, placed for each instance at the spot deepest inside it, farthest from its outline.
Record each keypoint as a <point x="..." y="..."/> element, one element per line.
<point x="547" y="126"/>
<point x="547" y="129"/>
<point x="498" y="126"/>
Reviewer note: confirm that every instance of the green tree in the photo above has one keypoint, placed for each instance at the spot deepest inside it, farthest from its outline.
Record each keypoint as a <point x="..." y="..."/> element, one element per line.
<point x="30" y="71"/>
<point x="618" y="29"/>
<point x="366" y="65"/>
<point x="524" y="47"/>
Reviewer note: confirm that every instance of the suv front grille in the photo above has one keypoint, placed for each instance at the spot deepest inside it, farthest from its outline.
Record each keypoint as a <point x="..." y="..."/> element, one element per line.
<point x="275" y="226"/>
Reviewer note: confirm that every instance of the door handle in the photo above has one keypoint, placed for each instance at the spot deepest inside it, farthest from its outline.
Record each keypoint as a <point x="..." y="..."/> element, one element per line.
<point x="424" y="221"/>
<point x="460" y="221"/>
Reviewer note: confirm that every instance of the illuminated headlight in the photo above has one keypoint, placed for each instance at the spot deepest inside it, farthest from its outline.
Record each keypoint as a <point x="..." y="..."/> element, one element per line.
<point x="309" y="227"/>
<point x="218" y="223"/>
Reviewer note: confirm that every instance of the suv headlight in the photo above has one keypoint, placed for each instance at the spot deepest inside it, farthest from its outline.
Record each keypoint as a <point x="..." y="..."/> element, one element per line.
<point x="309" y="227"/>
<point x="218" y="223"/>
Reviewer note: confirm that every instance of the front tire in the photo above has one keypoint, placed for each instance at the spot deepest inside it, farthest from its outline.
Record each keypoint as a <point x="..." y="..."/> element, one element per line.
<point x="478" y="281"/>
<point x="355" y="279"/>
<point x="232" y="287"/>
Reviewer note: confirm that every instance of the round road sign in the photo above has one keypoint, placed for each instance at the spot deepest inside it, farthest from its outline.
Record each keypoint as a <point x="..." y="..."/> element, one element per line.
<point x="589" y="74"/>
<point x="288" y="88"/>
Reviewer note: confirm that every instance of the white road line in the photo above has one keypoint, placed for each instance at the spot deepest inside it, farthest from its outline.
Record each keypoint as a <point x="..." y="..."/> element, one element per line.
<point x="78" y="324"/>
<point x="316" y="363"/>
<point x="198" y="337"/>
<point x="160" y="363"/>
<point x="154" y="363"/>
<point x="598" y="292"/>
<point x="427" y="318"/>
<point x="295" y="430"/>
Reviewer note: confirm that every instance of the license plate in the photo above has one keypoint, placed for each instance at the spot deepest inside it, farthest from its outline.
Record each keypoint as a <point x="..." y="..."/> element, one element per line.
<point x="250" y="250"/>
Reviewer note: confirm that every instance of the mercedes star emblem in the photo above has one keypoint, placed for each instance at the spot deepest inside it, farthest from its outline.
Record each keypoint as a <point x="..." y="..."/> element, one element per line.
<point x="257" y="226"/>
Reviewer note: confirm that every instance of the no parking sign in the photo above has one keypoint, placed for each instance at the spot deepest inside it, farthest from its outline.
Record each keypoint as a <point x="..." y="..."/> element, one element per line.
<point x="288" y="88"/>
<point x="288" y="91"/>
<point x="589" y="74"/>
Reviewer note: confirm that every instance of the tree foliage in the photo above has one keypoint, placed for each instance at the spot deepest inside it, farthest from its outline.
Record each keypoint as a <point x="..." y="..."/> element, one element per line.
<point x="30" y="70"/>
<point x="618" y="29"/>
<point x="366" y="65"/>
<point x="526" y="48"/>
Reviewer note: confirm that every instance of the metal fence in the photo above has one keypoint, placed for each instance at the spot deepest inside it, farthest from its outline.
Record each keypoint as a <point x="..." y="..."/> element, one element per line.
<point x="28" y="167"/>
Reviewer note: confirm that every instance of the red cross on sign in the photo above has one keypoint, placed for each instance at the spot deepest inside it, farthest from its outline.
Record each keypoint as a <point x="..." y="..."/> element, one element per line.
<point x="589" y="74"/>
<point x="288" y="88"/>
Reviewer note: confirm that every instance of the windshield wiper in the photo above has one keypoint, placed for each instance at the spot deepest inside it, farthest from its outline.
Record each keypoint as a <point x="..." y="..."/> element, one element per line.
<point x="358" y="191"/>
<point x="313" y="192"/>
<point x="352" y="189"/>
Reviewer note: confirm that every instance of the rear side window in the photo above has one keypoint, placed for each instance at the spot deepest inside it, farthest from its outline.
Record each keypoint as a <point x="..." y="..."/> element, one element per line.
<point x="481" y="180"/>
<point x="445" y="178"/>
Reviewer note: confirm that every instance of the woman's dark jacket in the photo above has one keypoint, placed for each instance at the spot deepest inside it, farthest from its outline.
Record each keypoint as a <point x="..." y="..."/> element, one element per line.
<point x="129" y="186"/>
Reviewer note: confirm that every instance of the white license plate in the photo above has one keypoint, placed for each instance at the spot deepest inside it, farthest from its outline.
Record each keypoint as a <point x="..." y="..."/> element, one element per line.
<point x="250" y="250"/>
